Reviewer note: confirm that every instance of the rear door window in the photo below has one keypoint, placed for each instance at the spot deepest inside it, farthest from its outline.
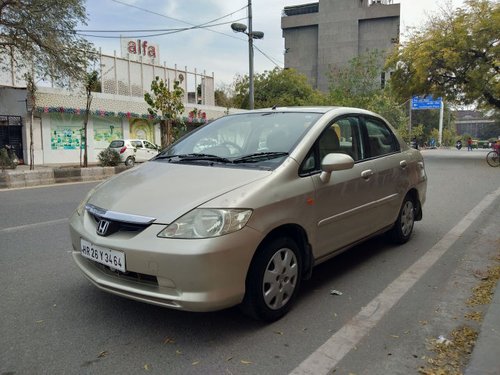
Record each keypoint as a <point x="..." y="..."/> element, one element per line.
<point x="116" y="144"/>
<point x="381" y="141"/>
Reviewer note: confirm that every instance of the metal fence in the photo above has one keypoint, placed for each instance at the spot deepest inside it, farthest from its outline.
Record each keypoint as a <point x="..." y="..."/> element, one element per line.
<point x="133" y="78"/>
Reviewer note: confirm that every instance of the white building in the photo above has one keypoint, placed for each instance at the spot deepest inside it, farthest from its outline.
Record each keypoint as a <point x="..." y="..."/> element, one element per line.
<point x="119" y="111"/>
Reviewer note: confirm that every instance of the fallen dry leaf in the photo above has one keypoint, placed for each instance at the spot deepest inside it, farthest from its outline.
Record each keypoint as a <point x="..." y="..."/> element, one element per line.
<point x="168" y="340"/>
<point x="246" y="362"/>
<point x="195" y="363"/>
<point x="102" y="354"/>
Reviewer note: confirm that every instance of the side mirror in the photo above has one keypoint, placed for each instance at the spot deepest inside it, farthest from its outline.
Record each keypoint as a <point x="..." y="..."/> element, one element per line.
<point x="334" y="162"/>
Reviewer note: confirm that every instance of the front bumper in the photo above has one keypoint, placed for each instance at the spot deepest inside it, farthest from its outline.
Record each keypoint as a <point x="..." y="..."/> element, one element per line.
<point x="191" y="275"/>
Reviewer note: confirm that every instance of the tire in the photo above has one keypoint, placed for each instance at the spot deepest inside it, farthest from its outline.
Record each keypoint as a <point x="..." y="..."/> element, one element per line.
<point x="403" y="227"/>
<point x="493" y="159"/>
<point x="130" y="161"/>
<point x="273" y="280"/>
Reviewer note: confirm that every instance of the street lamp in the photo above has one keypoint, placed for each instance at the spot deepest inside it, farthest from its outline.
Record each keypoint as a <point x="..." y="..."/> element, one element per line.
<point x="242" y="28"/>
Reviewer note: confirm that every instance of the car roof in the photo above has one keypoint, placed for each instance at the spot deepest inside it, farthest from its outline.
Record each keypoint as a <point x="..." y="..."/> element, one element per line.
<point x="315" y="109"/>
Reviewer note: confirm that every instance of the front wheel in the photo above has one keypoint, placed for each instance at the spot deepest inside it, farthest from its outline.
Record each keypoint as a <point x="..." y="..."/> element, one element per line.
<point x="403" y="227"/>
<point x="273" y="280"/>
<point x="493" y="159"/>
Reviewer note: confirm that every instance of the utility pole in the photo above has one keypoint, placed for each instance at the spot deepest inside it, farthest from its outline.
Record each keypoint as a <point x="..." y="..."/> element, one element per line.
<point x="250" y="57"/>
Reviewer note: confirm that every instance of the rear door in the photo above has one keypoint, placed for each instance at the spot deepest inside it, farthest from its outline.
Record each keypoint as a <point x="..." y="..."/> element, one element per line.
<point x="389" y="171"/>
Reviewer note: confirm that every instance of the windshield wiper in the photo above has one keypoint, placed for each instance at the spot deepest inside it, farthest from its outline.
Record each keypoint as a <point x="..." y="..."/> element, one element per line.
<point x="195" y="157"/>
<point x="259" y="156"/>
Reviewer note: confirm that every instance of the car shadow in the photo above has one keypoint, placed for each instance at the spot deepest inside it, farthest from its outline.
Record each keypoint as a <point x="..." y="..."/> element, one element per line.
<point x="151" y="319"/>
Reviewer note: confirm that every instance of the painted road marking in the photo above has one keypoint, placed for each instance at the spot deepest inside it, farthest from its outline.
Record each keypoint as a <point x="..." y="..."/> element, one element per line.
<point x="34" y="225"/>
<point x="327" y="356"/>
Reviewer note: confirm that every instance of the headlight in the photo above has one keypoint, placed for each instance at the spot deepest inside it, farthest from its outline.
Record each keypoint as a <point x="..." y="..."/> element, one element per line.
<point x="206" y="223"/>
<point x="81" y="206"/>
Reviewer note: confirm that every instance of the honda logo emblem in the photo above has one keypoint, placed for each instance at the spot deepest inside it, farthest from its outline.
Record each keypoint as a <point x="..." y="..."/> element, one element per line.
<point x="102" y="227"/>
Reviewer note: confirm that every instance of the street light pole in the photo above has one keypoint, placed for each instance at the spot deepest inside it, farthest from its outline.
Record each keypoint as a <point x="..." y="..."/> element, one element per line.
<point x="241" y="28"/>
<point x="250" y="57"/>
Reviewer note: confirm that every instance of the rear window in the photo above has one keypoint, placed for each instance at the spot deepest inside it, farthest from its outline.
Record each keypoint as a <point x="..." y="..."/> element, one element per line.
<point x="116" y="144"/>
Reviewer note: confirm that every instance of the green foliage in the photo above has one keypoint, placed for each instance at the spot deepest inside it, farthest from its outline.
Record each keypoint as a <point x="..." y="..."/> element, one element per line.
<point x="108" y="158"/>
<point x="454" y="56"/>
<point x="224" y="97"/>
<point x="166" y="103"/>
<point x="6" y="160"/>
<point x="449" y="137"/>
<point x="357" y="85"/>
<point x="42" y="33"/>
<point x="280" y="87"/>
<point x="430" y="118"/>
<point x="357" y="81"/>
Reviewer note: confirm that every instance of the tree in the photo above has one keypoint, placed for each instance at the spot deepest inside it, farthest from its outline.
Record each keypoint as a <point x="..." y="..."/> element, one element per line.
<point x="357" y="81"/>
<point x="40" y="36"/>
<point x="456" y="56"/>
<point x="91" y="84"/>
<point x="281" y="87"/>
<point x="224" y="96"/>
<point x="30" y="105"/>
<point x="356" y="84"/>
<point x="169" y="104"/>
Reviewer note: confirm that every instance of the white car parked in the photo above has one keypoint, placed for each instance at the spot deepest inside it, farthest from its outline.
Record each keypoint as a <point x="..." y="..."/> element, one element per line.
<point x="134" y="150"/>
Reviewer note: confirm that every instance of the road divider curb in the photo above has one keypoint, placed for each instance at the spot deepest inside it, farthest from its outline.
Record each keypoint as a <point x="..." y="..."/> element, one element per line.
<point x="47" y="176"/>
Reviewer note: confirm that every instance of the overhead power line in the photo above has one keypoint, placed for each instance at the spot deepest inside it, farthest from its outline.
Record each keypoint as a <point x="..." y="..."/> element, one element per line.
<point x="160" y="32"/>
<point x="205" y="26"/>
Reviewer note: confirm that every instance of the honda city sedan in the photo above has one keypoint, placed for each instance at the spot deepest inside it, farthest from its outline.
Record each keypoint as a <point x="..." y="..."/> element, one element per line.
<point x="239" y="211"/>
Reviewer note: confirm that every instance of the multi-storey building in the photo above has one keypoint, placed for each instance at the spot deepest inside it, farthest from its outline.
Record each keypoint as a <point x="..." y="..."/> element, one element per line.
<point x="330" y="33"/>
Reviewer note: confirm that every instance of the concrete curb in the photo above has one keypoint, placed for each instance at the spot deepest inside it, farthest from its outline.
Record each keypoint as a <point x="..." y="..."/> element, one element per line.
<point x="15" y="178"/>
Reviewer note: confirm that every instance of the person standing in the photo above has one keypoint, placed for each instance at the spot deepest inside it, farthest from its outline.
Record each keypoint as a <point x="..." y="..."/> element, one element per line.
<point x="469" y="144"/>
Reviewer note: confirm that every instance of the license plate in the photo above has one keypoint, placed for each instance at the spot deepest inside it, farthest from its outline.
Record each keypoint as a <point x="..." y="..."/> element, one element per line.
<point x="112" y="258"/>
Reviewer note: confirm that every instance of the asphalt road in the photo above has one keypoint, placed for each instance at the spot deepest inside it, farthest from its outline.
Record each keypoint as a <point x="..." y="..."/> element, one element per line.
<point x="53" y="321"/>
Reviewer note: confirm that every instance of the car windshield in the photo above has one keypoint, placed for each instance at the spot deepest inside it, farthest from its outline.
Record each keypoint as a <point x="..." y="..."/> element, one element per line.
<point x="261" y="139"/>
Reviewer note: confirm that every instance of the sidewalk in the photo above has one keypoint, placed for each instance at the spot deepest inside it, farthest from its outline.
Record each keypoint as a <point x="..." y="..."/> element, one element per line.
<point x="22" y="176"/>
<point x="485" y="358"/>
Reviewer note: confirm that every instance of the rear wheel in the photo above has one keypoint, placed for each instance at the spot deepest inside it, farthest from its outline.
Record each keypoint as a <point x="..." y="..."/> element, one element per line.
<point x="273" y="280"/>
<point x="130" y="161"/>
<point x="403" y="227"/>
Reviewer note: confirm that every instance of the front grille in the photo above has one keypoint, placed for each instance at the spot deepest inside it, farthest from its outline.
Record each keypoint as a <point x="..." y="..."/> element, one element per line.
<point x="109" y="222"/>
<point x="122" y="226"/>
<point x="131" y="276"/>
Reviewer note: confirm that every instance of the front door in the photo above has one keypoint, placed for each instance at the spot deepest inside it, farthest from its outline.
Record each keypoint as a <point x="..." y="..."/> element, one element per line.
<point x="11" y="134"/>
<point x="342" y="202"/>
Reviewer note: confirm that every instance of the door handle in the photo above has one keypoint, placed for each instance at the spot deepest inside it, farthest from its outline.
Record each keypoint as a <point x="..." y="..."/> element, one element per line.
<point x="403" y="164"/>
<point x="367" y="174"/>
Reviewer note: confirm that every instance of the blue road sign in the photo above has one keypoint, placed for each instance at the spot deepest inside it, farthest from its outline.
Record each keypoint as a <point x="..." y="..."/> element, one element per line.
<point x="427" y="102"/>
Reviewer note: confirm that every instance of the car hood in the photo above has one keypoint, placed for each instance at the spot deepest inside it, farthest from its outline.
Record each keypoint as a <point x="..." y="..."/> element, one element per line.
<point x="166" y="191"/>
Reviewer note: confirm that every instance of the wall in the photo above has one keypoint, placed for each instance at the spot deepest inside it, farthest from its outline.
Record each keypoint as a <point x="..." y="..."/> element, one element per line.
<point x="59" y="116"/>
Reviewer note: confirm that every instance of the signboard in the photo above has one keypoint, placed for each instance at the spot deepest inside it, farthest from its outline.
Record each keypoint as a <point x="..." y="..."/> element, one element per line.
<point x="427" y="102"/>
<point x="140" y="50"/>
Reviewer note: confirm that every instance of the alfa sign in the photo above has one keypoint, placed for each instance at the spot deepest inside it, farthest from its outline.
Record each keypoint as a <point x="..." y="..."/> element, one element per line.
<point x="140" y="50"/>
<point x="427" y="102"/>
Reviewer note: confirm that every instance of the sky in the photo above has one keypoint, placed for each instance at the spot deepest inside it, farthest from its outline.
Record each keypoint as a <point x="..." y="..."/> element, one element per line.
<point x="217" y="50"/>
